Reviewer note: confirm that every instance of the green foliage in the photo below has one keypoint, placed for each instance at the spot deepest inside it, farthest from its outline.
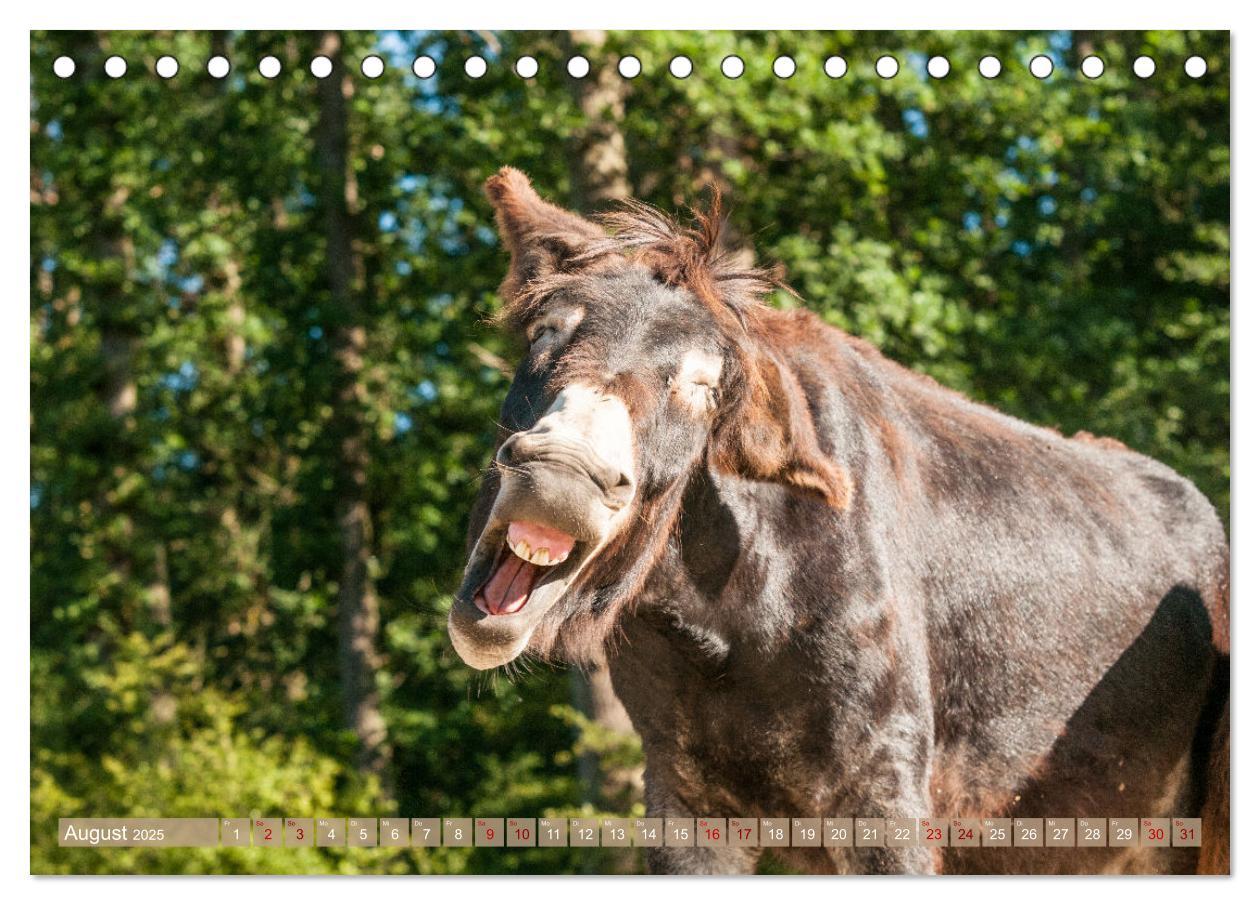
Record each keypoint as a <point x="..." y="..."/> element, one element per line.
<point x="1058" y="248"/>
<point x="614" y="749"/>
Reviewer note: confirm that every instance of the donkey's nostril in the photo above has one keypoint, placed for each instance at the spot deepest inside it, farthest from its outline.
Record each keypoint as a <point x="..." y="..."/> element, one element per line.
<point x="620" y="493"/>
<point x="509" y="452"/>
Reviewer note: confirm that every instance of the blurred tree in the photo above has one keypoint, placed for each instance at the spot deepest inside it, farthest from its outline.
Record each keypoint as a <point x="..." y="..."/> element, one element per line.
<point x="358" y="614"/>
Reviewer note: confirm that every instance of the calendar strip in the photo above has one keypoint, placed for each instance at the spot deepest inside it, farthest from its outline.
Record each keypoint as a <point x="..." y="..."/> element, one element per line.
<point x="630" y="832"/>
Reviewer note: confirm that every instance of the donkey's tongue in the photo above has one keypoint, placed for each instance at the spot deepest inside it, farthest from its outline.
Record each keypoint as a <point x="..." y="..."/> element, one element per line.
<point x="508" y="588"/>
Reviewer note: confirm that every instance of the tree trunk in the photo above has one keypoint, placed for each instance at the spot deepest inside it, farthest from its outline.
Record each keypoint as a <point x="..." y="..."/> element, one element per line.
<point x="357" y="611"/>
<point x="106" y="295"/>
<point x="234" y="341"/>
<point x="599" y="174"/>
<point x="598" y="164"/>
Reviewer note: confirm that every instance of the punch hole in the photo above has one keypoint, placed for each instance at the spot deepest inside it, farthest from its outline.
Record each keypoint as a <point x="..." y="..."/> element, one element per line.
<point x="166" y="67"/>
<point x="990" y="67"/>
<point x="1196" y="67"/>
<point x="423" y="67"/>
<point x="938" y="67"/>
<point x="269" y="67"/>
<point x="629" y="67"/>
<point x="1144" y="67"/>
<point x="321" y="67"/>
<point x="579" y="67"/>
<point x="218" y="67"/>
<point x="732" y="66"/>
<point x="63" y="67"/>
<point x="784" y="67"/>
<point x="886" y="67"/>
<point x="526" y="67"/>
<point x="115" y="67"/>
<point x="1092" y="67"/>
<point x="835" y="67"/>
<point x="373" y="67"/>
<point x="680" y="67"/>
<point x="1041" y="66"/>
<point x="475" y="67"/>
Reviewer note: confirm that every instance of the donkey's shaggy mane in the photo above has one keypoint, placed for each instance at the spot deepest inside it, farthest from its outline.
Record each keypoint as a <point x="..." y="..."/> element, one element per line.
<point x="690" y="257"/>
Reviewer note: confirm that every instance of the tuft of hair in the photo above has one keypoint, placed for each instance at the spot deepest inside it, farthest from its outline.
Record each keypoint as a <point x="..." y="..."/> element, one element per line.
<point x="691" y="257"/>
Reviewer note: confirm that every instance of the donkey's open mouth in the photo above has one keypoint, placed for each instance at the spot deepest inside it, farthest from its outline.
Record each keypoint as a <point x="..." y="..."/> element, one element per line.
<point x="513" y="580"/>
<point x="548" y="524"/>
<point x="527" y="556"/>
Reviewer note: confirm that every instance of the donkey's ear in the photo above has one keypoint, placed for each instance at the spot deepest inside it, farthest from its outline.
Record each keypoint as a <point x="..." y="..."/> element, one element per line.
<point x="541" y="237"/>
<point x="769" y="435"/>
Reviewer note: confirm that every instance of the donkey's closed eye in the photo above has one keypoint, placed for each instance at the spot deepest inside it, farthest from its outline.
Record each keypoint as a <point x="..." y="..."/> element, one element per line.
<point x="695" y="384"/>
<point x="553" y="330"/>
<point x="543" y="335"/>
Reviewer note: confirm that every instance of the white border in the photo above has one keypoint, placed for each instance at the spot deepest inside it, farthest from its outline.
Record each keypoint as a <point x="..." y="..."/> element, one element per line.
<point x="641" y="14"/>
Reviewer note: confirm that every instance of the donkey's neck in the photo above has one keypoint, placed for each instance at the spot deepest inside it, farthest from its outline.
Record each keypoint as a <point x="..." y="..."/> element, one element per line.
<point x="744" y="567"/>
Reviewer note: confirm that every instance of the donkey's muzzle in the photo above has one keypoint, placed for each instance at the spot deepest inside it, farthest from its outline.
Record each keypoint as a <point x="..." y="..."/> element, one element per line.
<point x="557" y="493"/>
<point x="551" y="463"/>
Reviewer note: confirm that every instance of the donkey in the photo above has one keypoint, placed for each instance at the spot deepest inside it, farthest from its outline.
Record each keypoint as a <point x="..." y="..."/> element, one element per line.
<point x="824" y="584"/>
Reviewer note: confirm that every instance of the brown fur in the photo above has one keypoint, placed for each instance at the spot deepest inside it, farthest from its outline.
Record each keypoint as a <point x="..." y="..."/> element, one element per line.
<point x="540" y="236"/>
<point x="1214" y="859"/>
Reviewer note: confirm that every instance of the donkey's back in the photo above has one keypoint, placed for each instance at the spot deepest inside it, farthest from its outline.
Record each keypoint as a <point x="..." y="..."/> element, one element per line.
<point x="1075" y="598"/>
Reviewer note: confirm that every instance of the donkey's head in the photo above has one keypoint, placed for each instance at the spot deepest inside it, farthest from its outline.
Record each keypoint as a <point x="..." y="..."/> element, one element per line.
<point x="649" y="356"/>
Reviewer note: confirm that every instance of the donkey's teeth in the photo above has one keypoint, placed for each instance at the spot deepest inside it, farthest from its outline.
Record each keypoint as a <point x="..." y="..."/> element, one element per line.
<point x="539" y="544"/>
<point x="541" y="557"/>
<point x="521" y="549"/>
